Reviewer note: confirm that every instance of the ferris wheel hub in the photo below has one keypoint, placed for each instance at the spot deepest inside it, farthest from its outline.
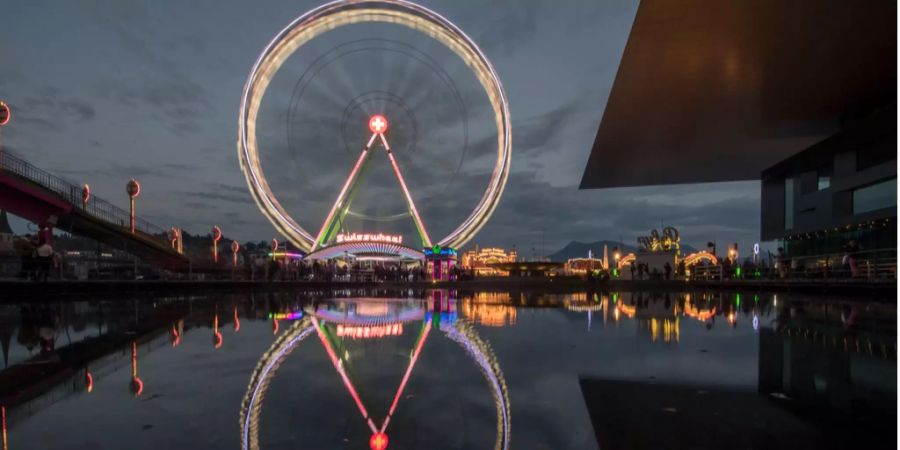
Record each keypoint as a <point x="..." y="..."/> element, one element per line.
<point x="378" y="124"/>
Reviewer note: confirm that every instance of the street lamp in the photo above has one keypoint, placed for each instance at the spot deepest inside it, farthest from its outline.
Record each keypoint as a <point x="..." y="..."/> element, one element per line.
<point x="133" y="188"/>
<point x="216" y="236"/>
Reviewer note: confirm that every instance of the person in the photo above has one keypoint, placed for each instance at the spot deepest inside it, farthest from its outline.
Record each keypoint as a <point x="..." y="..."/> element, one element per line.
<point x="668" y="269"/>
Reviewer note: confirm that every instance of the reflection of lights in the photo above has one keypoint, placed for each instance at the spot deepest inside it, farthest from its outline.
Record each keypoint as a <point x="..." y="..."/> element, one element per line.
<point x="237" y="320"/>
<point x="217" y="336"/>
<point x="460" y="331"/>
<point x="336" y="14"/>
<point x="378" y="441"/>
<point x="755" y="322"/>
<point x="286" y="316"/>
<point x="176" y="336"/>
<point x="274" y="326"/>
<point x="489" y="314"/>
<point x="670" y="330"/>
<point x="629" y="311"/>
<point x="88" y="380"/>
<point x="3" y="423"/>
<point x="370" y="331"/>
<point x="285" y="254"/>
<point x="137" y="386"/>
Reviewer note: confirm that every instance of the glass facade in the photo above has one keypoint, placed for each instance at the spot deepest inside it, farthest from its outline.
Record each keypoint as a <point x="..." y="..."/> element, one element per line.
<point x="824" y="182"/>
<point x="874" y="197"/>
<point x="788" y="203"/>
<point x="879" y="238"/>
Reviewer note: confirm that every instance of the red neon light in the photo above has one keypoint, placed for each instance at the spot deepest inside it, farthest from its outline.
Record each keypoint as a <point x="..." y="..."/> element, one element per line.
<point x="274" y="326"/>
<point x="5" y="115"/>
<point x="378" y="441"/>
<point x="378" y="124"/>
<point x="88" y="380"/>
<point x="237" y="321"/>
<point x="274" y="245"/>
<point x="409" y="369"/>
<point x="85" y="195"/>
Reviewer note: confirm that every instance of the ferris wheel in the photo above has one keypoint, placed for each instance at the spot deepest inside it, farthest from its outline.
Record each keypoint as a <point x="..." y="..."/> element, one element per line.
<point x="385" y="111"/>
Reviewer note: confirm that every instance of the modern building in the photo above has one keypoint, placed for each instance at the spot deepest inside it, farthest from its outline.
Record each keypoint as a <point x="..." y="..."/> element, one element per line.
<point x="838" y="193"/>
<point x="801" y="95"/>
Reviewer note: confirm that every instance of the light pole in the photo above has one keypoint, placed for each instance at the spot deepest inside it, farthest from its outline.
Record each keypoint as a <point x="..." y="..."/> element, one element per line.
<point x="216" y="235"/>
<point x="85" y="196"/>
<point x="5" y="114"/>
<point x="235" y="247"/>
<point x="133" y="188"/>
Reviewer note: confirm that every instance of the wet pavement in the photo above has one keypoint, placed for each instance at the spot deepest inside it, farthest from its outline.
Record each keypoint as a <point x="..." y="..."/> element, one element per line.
<point x="444" y="369"/>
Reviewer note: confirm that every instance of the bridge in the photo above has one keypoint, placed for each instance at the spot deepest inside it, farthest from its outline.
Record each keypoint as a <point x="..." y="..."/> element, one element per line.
<point x="39" y="196"/>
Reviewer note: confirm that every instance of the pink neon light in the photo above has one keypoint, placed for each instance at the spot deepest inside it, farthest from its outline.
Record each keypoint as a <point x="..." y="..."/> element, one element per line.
<point x="340" y="198"/>
<point x="409" y="200"/>
<point x="409" y="369"/>
<point x="343" y="374"/>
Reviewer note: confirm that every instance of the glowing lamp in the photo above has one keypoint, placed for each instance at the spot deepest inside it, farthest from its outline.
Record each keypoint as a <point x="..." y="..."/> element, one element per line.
<point x="378" y="124"/>
<point x="85" y="195"/>
<point x="5" y="113"/>
<point x="133" y="188"/>
<point x="378" y="441"/>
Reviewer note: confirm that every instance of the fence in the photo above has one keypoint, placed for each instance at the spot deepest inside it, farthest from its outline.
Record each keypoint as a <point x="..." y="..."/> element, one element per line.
<point x="96" y="207"/>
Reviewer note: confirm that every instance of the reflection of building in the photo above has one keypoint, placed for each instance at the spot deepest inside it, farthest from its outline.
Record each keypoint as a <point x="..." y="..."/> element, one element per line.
<point x="493" y="309"/>
<point x="9" y="264"/>
<point x="480" y="261"/>
<point x="490" y="315"/>
<point x="825" y="373"/>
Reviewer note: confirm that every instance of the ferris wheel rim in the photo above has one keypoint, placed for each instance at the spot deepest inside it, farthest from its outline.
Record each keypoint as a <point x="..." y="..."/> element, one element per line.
<point x="340" y="13"/>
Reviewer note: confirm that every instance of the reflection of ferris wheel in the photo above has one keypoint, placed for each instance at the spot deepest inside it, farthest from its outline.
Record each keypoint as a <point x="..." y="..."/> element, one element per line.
<point x="317" y="321"/>
<point x="335" y="15"/>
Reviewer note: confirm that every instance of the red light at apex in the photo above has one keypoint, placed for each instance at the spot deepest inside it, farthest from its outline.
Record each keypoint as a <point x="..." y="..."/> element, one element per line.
<point x="378" y="441"/>
<point x="378" y="124"/>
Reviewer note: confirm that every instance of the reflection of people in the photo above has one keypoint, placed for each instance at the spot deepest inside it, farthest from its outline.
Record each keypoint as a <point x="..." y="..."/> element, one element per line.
<point x="668" y="269"/>
<point x="851" y="249"/>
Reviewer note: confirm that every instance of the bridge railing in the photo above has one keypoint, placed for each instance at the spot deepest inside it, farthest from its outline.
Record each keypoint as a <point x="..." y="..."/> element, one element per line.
<point x="96" y="207"/>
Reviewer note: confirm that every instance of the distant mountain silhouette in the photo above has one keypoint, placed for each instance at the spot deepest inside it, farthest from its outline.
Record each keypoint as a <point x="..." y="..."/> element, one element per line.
<point x="576" y="249"/>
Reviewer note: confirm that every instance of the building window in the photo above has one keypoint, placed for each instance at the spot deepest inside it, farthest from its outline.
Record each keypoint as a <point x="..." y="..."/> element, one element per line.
<point x="877" y="196"/>
<point x="788" y="203"/>
<point x="824" y="182"/>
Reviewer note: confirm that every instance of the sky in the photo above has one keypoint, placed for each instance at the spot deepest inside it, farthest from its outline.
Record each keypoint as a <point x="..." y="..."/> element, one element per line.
<point x="103" y="91"/>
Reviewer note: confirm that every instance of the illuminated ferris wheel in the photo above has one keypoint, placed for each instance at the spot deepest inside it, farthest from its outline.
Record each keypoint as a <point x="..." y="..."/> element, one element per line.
<point x="379" y="124"/>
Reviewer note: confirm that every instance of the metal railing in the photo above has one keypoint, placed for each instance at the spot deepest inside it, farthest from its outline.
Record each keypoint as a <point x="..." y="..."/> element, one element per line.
<point x="71" y="193"/>
<point x="878" y="264"/>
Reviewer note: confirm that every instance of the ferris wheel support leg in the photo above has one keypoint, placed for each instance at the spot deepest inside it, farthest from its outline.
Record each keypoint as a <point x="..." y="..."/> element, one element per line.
<point x="426" y="241"/>
<point x="351" y="179"/>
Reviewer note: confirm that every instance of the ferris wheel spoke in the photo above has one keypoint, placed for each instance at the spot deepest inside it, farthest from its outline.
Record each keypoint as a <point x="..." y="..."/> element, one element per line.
<point x="328" y="225"/>
<point x="426" y="241"/>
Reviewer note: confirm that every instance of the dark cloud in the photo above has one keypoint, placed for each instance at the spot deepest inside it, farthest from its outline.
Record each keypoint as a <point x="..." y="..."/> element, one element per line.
<point x="79" y="109"/>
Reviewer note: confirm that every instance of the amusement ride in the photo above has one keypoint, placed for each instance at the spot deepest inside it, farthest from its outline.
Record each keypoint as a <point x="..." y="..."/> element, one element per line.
<point x="333" y="240"/>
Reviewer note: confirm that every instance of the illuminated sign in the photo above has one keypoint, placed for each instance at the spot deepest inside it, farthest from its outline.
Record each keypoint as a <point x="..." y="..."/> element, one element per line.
<point x="286" y="316"/>
<point x="372" y="331"/>
<point x="444" y="251"/>
<point x="369" y="237"/>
